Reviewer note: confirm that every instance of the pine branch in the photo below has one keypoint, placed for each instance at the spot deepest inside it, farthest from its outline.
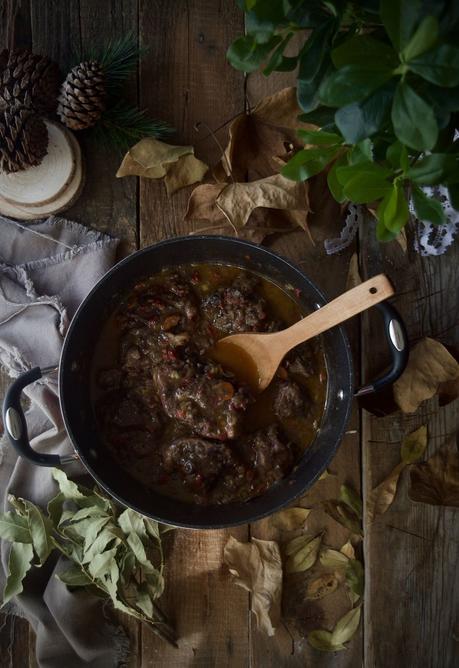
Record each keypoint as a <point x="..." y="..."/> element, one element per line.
<point x="123" y="125"/>
<point x="119" y="59"/>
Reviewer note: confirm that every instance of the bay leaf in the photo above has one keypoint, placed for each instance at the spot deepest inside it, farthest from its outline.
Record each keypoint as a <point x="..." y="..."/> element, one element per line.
<point x="350" y="497"/>
<point x="305" y="557"/>
<point x="296" y="543"/>
<point x="94" y="527"/>
<point x="355" y="576"/>
<point x="14" y="528"/>
<point x="348" y="550"/>
<point x="40" y="528"/>
<point x="346" y="626"/>
<point x="291" y="518"/>
<point x="321" y="586"/>
<point x="333" y="559"/>
<point x="143" y="600"/>
<point x="257" y="567"/>
<point x="74" y="577"/>
<point x="102" y="563"/>
<point x="322" y="640"/>
<point x="19" y="562"/>
<point x="68" y="488"/>
<point x="132" y="522"/>
<point x="55" y="508"/>
<point x="342" y="514"/>
<point x="429" y="365"/>
<point x="414" y="445"/>
<point x="436" y="481"/>
<point x="138" y="549"/>
<point x="381" y="498"/>
<point x="102" y="541"/>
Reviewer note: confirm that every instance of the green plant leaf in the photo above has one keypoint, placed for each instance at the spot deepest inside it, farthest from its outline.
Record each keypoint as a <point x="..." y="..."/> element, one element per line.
<point x="363" y="119"/>
<point x="350" y="497"/>
<point x="393" y="210"/>
<point x="397" y="155"/>
<point x="346" y="626"/>
<point x="74" y="577"/>
<point x="439" y="65"/>
<point x="361" y="152"/>
<point x="334" y="185"/>
<point x="423" y="39"/>
<point x="319" y="137"/>
<point x="308" y="91"/>
<point x="400" y="18"/>
<point x="360" y="49"/>
<point x="322" y="640"/>
<point x="321" y="116"/>
<point x="19" y="561"/>
<point x="102" y="563"/>
<point x="453" y="192"/>
<point x="14" y="528"/>
<point x="365" y="188"/>
<point x="308" y="162"/>
<point x="433" y="169"/>
<point x="413" y="119"/>
<point x="427" y="209"/>
<point x="278" y="62"/>
<point x="313" y="53"/>
<point x="247" y="55"/>
<point x="40" y="528"/>
<point x="305" y="557"/>
<point x="355" y="576"/>
<point x="352" y="83"/>
<point x="365" y="168"/>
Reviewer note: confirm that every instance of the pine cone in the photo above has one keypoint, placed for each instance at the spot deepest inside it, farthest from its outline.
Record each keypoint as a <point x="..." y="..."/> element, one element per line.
<point x="82" y="97"/>
<point x="23" y="139"/>
<point x="29" y="80"/>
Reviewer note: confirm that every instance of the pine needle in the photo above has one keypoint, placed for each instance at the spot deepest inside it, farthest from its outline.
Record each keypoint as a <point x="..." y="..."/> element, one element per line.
<point x="119" y="58"/>
<point x="123" y="125"/>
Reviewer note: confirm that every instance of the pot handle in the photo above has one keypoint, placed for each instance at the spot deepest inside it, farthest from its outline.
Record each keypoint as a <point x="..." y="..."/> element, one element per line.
<point x="15" y="422"/>
<point x="397" y="339"/>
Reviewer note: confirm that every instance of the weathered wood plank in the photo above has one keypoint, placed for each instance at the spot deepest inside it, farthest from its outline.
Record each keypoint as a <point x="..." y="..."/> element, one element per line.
<point x="412" y="550"/>
<point x="184" y="79"/>
<point x="329" y="273"/>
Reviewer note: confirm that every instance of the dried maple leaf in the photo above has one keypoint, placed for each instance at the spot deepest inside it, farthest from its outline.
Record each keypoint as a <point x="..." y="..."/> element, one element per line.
<point x="154" y="159"/>
<point x="257" y="567"/>
<point x="429" y="365"/>
<point x="436" y="481"/>
<point x="381" y="498"/>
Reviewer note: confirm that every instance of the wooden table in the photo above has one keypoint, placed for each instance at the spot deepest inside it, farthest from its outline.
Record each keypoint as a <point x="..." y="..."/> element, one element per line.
<point x="410" y="552"/>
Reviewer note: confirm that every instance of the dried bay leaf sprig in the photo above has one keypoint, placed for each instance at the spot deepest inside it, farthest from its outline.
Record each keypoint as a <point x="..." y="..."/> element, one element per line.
<point x="117" y="553"/>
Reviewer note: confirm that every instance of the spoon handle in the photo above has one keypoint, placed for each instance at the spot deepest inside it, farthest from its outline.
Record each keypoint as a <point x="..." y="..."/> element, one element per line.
<point x="342" y="308"/>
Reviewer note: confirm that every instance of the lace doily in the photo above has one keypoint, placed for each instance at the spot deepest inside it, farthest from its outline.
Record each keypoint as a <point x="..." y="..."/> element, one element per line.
<point x="436" y="239"/>
<point x="351" y="225"/>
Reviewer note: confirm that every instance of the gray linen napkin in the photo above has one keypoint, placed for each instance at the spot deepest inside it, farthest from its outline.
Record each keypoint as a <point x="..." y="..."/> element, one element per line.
<point x="46" y="269"/>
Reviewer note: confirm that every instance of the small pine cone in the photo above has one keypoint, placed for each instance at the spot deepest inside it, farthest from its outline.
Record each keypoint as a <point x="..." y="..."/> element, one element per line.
<point x="23" y="139"/>
<point x="28" y="80"/>
<point x="82" y="97"/>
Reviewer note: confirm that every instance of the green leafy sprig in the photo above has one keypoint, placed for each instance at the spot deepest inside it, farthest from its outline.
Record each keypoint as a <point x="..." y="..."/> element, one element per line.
<point x="381" y="80"/>
<point x="114" y="553"/>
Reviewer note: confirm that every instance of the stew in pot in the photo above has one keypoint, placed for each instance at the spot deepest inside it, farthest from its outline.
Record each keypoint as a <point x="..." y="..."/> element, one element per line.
<point x="174" y="418"/>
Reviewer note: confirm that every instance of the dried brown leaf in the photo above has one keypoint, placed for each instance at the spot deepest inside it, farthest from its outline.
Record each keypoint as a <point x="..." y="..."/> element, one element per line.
<point x="436" y="481"/>
<point x="201" y="205"/>
<point x="353" y="276"/>
<point x="448" y="392"/>
<point x="321" y="586"/>
<point x="322" y="640"/>
<point x="282" y="110"/>
<point x="151" y="158"/>
<point x="414" y="445"/>
<point x="238" y="200"/>
<point x="346" y="627"/>
<point x="381" y="498"/>
<point x="291" y="518"/>
<point x="305" y="557"/>
<point x="429" y="365"/>
<point x="330" y="558"/>
<point x="186" y="171"/>
<point x="342" y="514"/>
<point x="257" y="567"/>
<point x="348" y="550"/>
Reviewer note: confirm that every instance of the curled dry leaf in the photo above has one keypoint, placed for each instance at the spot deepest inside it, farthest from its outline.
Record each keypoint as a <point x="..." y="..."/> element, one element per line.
<point x="154" y="159"/>
<point x="291" y="518"/>
<point x="350" y="497"/>
<point x="333" y="559"/>
<point x="414" y="445"/>
<point x="348" y="550"/>
<point x="321" y="586"/>
<point x="353" y="276"/>
<point x="322" y="640"/>
<point x="436" y="481"/>
<point x="257" y="567"/>
<point x="305" y="555"/>
<point x="429" y="365"/>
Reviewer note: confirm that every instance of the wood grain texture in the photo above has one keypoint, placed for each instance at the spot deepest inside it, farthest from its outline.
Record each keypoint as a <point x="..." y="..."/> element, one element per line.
<point x="412" y="550"/>
<point x="185" y="80"/>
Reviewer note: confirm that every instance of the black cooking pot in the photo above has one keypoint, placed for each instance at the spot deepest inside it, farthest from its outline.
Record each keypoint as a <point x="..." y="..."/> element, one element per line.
<point x="74" y="373"/>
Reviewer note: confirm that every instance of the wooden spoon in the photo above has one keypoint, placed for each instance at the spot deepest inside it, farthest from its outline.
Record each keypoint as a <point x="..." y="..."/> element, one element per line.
<point x="255" y="358"/>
